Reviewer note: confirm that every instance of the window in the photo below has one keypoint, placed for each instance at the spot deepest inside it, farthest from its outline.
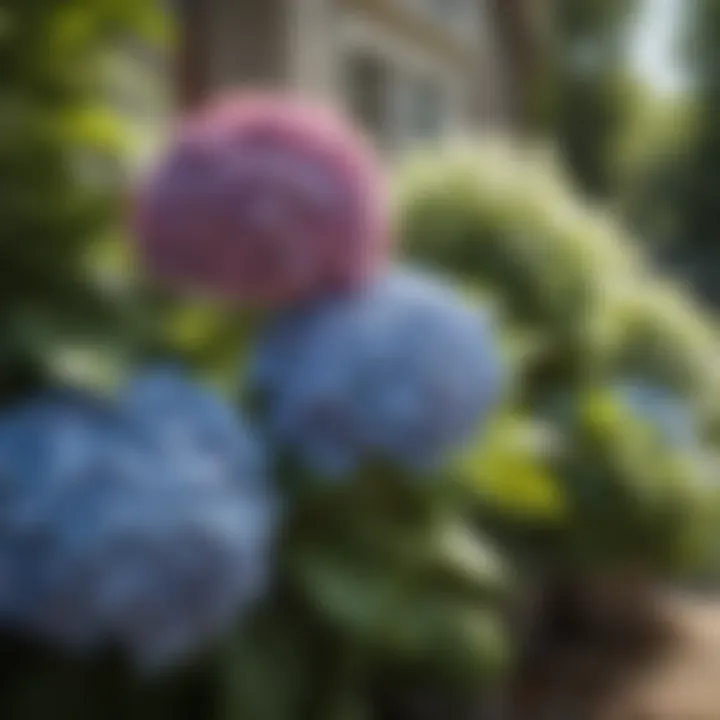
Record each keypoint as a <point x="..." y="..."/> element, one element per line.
<point x="367" y="87"/>
<point x="396" y="107"/>
<point x="401" y="94"/>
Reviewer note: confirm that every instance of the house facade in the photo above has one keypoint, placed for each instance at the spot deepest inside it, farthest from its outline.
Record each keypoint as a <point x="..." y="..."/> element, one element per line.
<point x="408" y="70"/>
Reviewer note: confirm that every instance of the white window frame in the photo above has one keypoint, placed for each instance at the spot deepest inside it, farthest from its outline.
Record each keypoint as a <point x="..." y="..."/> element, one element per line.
<point x="357" y="34"/>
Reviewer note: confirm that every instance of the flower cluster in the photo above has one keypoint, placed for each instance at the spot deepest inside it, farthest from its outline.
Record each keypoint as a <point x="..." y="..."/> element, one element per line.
<point x="109" y="538"/>
<point x="401" y="372"/>
<point x="148" y="522"/>
<point x="266" y="200"/>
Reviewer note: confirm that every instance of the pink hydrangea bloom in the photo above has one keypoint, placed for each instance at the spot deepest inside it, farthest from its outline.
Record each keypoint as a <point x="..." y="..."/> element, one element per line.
<point x="263" y="199"/>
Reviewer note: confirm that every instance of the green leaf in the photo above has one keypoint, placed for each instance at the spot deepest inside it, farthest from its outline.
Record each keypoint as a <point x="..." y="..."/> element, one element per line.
<point x="509" y="469"/>
<point x="266" y="670"/>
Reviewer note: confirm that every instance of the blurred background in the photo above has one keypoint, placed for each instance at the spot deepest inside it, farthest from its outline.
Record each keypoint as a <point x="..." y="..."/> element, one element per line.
<point x="626" y="91"/>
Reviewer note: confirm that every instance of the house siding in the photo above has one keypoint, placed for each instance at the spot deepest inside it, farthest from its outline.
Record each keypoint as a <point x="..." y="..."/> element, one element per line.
<point x="241" y="42"/>
<point x="306" y="45"/>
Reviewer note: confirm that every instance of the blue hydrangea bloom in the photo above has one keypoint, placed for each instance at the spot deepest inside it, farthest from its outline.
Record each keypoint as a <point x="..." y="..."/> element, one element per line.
<point x="193" y="426"/>
<point x="106" y="540"/>
<point x="402" y="371"/>
<point x="670" y="416"/>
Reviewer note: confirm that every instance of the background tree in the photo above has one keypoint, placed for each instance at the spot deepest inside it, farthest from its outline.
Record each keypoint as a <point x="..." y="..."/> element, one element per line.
<point x="590" y="88"/>
<point x="700" y="219"/>
<point x="570" y="80"/>
<point x="62" y="179"/>
<point x="671" y="178"/>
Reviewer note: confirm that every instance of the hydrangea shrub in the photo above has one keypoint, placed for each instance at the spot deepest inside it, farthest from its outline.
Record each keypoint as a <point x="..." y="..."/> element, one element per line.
<point x="150" y="523"/>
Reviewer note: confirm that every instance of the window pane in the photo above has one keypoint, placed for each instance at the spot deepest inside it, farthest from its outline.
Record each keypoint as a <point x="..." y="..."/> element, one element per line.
<point x="366" y="87"/>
